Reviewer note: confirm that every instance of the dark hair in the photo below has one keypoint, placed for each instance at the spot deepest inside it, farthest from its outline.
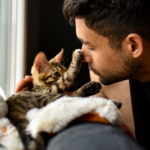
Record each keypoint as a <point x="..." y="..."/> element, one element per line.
<point x="114" y="19"/>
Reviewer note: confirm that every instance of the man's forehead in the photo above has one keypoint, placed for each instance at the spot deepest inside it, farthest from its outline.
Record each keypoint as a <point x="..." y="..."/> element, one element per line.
<point x="84" y="34"/>
<point x="83" y="41"/>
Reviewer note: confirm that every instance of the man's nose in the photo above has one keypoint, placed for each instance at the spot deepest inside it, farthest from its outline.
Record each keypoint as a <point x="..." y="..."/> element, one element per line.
<point x="86" y="55"/>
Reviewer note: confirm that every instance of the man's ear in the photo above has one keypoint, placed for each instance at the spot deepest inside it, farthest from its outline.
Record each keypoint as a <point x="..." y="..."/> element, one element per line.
<point x="135" y="45"/>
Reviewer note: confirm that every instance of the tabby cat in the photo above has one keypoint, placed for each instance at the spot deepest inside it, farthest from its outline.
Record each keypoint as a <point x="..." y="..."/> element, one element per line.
<point x="50" y="82"/>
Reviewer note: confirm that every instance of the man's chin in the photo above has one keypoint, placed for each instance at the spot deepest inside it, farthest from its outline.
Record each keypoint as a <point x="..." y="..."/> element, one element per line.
<point x="106" y="82"/>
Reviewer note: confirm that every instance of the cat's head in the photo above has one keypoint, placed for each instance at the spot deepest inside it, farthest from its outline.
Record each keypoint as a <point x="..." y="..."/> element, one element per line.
<point x="45" y="72"/>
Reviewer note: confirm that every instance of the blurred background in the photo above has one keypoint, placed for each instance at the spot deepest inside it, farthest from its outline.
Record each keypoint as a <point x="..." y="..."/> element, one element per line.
<point x="28" y="27"/>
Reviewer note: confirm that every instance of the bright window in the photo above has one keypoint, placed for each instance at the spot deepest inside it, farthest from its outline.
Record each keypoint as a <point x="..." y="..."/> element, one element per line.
<point x="12" y="44"/>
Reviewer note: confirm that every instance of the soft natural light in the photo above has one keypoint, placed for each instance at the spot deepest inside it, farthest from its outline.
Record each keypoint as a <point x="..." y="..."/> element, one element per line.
<point x="12" y="44"/>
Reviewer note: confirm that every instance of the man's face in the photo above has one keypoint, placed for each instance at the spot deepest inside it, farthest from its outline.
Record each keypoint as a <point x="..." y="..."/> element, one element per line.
<point x="110" y="65"/>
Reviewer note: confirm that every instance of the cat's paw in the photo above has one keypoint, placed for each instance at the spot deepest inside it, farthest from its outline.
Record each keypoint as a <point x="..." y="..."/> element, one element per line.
<point x="77" y="56"/>
<point x="90" y="88"/>
<point x="77" y="52"/>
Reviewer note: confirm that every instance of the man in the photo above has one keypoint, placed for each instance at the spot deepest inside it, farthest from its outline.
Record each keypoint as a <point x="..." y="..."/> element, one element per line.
<point x="119" y="91"/>
<point x="116" y="45"/>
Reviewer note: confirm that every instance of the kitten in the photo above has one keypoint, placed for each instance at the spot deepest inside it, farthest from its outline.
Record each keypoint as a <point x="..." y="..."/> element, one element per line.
<point x="50" y="82"/>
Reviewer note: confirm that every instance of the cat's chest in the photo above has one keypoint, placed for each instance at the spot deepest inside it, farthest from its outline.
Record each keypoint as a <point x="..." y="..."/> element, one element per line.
<point x="41" y="90"/>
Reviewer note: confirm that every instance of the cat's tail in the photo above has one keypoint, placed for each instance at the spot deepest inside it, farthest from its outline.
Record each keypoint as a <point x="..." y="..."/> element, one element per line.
<point x="18" y="108"/>
<point x="28" y="142"/>
<point x="31" y="143"/>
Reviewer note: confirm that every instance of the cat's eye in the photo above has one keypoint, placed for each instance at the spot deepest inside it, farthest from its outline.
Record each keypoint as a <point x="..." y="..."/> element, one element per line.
<point x="50" y="82"/>
<point x="57" y="74"/>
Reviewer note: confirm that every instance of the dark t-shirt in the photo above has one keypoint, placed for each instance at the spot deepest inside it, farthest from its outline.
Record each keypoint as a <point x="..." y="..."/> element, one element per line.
<point x="140" y="95"/>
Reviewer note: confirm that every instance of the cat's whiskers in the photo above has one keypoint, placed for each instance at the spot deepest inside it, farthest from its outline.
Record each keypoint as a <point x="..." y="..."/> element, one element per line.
<point x="73" y="86"/>
<point x="62" y="60"/>
<point x="66" y="61"/>
<point x="77" y="83"/>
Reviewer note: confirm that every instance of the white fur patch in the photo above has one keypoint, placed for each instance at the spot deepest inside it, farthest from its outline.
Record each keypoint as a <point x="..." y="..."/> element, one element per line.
<point x="9" y="139"/>
<point x="56" y="115"/>
<point x="32" y="113"/>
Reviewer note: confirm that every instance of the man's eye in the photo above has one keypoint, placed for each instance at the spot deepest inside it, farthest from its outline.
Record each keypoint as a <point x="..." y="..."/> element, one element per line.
<point x="90" y="49"/>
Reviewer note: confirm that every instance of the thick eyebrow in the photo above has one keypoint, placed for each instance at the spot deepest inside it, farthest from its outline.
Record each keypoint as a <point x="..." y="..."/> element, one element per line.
<point x="82" y="41"/>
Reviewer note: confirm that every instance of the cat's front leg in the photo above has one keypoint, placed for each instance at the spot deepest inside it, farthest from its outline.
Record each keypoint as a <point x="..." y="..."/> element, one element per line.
<point x="66" y="79"/>
<point x="88" y="89"/>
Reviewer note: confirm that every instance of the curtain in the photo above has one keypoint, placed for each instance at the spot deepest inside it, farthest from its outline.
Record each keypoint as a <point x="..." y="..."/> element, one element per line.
<point x="12" y="44"/>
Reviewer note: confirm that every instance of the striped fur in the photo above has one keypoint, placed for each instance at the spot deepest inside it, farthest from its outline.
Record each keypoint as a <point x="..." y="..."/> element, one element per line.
<point x="50" y="82"/>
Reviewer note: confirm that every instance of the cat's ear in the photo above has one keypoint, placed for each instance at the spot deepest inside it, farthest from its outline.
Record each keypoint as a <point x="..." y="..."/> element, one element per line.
<point x="40" y="62"/>
<point x="58" y="57"/>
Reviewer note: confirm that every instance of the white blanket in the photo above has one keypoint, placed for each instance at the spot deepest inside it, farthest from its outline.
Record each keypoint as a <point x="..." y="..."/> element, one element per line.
<point x="55" y="117"/>
<point x="58" y="114"/>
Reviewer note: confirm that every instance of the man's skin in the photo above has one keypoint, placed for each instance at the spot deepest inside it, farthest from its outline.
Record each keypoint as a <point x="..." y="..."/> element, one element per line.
<point x="111" y="66"/>
<point x="118" y="91"/>
<point x="24" y="84"/>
